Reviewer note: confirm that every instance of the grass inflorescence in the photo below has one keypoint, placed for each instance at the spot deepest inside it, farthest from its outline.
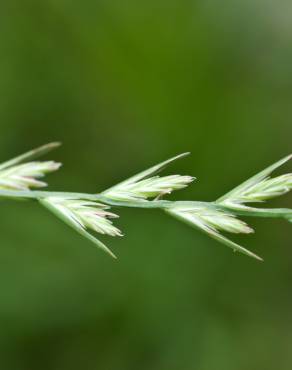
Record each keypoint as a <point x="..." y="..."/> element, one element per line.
<point x="90" y="214"/>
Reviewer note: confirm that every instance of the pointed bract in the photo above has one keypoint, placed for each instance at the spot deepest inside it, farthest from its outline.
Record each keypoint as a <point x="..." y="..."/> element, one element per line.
<point x="259" y="188"/>
<point x="144" y="185"/>
<point x="211" y="220"/>
<point x="31" y="155"/>
<point x="82" y="215"/>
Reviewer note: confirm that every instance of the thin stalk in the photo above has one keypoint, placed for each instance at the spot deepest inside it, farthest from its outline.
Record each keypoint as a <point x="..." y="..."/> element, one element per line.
<point x="162" y="204"/>
<point x="261" y="212"/>
<point x="38" y="195"/>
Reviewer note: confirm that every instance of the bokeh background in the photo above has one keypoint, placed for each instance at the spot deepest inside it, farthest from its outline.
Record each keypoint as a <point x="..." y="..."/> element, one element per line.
<point x="126" y="84"/>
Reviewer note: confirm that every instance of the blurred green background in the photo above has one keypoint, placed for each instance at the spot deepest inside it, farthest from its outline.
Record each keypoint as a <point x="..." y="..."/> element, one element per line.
<point x="125" y="85"/>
